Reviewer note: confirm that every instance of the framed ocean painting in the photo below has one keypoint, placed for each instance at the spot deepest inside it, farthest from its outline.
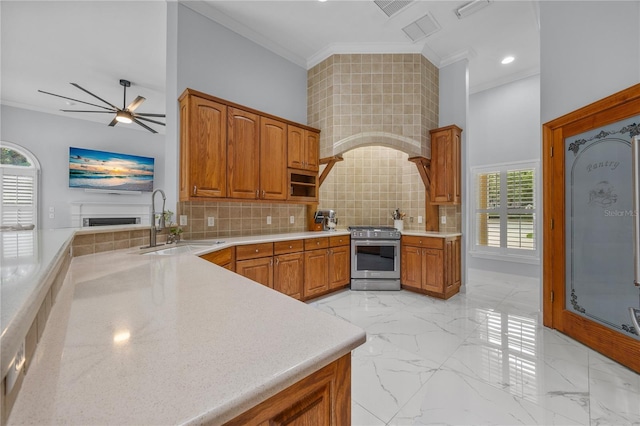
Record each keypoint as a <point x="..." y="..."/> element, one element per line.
<point x="109" y="171"/>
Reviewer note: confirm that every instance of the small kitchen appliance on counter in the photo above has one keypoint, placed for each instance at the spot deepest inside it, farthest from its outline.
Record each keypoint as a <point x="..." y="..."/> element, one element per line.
<point x="375" y="258"/>
<point x="325" y="220"/>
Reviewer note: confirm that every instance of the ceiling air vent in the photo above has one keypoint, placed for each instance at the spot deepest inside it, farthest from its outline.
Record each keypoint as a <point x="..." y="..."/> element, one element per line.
<point x="421" y="28"/>
<point x="391" y="7"/>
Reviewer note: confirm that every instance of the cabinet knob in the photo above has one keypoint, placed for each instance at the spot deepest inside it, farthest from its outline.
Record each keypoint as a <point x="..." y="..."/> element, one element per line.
<point x="420" y="241"/>
<point x="257" y="193"/>
<point x="317" y="243"/>
<point x="195" y="189"/>
<point x="290" y="246"/>
<point x="256" y="250"/>
<point x="263" y="193"/>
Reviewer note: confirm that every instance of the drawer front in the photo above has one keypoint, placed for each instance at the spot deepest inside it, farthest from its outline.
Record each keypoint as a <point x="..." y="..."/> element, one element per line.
<point x="426" y="242"/>
<point x="342" y="240"/>
<point x="284" y="247"/>
<point x="254" y="251"/>
<point x="316" y="243"/>
<point x="220" y="257"/>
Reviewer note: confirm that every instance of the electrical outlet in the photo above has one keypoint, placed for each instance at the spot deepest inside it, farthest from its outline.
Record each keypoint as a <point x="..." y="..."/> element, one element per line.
<point x="268" y="220"/>
<point x="183" y="220"/>
<point x="52" y="216"/>
<point x="419" y="219"/>
<point x="292" y="219"/>
<point x="211" y="221"/>
<point x="443" y="220"/>
<point x="52" y="209"/>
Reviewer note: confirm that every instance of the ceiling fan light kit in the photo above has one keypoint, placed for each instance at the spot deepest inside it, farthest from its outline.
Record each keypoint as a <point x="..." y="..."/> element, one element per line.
<point x="126" y="114"/>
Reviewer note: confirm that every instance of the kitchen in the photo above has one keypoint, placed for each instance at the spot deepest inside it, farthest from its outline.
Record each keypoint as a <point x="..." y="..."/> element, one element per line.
<point x="185" y="21"/>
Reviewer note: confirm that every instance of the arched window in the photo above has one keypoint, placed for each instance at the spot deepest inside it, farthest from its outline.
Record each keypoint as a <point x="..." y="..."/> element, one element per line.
<point x="19" y="170"/>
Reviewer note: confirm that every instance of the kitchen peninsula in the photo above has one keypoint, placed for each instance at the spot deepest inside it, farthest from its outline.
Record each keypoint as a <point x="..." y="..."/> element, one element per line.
<point x="148" y="339"/>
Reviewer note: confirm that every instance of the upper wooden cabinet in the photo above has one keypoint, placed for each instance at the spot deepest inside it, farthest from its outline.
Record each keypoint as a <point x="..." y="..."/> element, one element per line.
<point x="303" y="149"/>
<point x="445" y="165"/>
<point x="273" y="163"/>
<point x="243" y="154"/>
<point x="232" y="152"/>
<point x="203" y="149"/>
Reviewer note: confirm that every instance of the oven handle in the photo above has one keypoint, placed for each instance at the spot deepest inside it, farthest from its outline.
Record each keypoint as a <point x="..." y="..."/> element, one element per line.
<point x="395" y="243"/>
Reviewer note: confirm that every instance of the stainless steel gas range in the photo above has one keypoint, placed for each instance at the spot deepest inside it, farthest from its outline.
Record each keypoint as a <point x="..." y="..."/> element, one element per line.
<point x="375" y="258"/>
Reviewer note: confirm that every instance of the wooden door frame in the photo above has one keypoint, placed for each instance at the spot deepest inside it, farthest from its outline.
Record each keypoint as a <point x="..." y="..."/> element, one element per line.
<point x="619" y="106"/>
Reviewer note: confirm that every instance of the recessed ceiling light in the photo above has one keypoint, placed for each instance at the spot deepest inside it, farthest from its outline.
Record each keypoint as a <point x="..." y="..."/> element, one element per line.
<point x="508" y="60"/>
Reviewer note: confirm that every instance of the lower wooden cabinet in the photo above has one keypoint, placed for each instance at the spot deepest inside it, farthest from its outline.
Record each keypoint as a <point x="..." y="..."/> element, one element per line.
<point x="302" y="269"/>
<point x="339" y="267"/>
<point x="259" y="270"/>
<point x="320" y="399"/>
<point x="225" y="258"/>
<point x="431" y="265"/>
<point x="288" y="274"/>
<point x="316" y="272"/>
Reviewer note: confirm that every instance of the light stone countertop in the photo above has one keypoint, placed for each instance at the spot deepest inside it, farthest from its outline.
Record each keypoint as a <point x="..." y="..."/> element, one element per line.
<point x="432" y="234"/>
<point x="143" y="339"/>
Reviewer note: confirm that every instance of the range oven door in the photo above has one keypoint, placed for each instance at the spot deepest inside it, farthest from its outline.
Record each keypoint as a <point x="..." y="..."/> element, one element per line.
<point x="375" y="259"/>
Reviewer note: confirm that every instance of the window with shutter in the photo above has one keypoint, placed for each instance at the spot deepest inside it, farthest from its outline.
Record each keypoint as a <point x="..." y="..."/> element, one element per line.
<point x="505" y="210"/>
<point x="19" y="184"/>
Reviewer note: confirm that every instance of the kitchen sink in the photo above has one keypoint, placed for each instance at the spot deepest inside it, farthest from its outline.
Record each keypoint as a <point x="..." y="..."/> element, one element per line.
<point x="184" y="247"/>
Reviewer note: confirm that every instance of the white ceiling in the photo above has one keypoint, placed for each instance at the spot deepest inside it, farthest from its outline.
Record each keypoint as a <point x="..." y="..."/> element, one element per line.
<point x="48" y="44"/>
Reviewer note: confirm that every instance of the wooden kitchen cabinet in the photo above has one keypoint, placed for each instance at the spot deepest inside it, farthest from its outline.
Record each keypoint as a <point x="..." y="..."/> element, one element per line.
<point x="243" y="154"/>
<point x="303" y="149"/>
<point x="431" y="265"/>
<point x="203" y="148"/>
<point x="316" y="272"/>
<point x="255" y="261"/>
<point x="445" y="165"/>
<point x="288" y="269"/>
<point x="321" y="399"/>
<point x="288" y="274"/>
<point x="273" y="159"/>
<point x="339" y="262"/>
<point x="224" y="258"/>
<point x="232" y="152"/>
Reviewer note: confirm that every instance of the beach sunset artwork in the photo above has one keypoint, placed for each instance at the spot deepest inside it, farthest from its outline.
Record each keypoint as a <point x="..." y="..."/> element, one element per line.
<point x="92" y="169"/>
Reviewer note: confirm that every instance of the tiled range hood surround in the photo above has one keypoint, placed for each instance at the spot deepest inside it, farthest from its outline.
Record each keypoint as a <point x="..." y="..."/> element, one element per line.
<point x="386" y="103"/>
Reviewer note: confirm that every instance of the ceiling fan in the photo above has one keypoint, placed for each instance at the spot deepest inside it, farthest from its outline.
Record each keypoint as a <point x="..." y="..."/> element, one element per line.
<point x="126" y="114"/>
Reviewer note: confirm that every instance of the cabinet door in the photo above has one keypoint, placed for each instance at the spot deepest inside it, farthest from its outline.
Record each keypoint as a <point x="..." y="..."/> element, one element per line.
<point x="295" y="149"/>
<point x="243" y="154"/>
<point x="411" y="266"/>
<point x="312" y="151"/>
<point x="273" y="158"/>
<point x="452" y="272"/>
<point x="445" y="165"/>
<point x="288" y="274"/>
<point x="433" y="270"/>
<point x="259" y="270"/>
<point x="316" y="272"/>
<point x="203" y="148"/>
<point x="339" y="266"/>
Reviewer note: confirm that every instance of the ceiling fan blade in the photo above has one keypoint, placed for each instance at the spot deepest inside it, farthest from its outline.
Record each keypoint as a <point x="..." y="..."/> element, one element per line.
<point x="135" y="104"/>
<point x="113" y="122"/>
<point x="148" y="119"/>
<point x="95" y="96"/>
<point x="76" y="110"/>
<point x="144" y="114"/>
<point x="76" y="100"/>
<point x="144" y="125"/>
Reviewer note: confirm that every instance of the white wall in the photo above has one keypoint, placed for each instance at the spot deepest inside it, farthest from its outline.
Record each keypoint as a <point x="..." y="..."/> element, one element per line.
<point x="504" y="127"/>
<point x="206" y="56"/>
<point x="49" y="136"/>
<point x="454" y="109"/>
<point x="589" y="50"/>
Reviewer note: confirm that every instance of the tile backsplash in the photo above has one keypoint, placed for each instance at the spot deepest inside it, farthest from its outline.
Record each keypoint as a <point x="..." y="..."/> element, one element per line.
<point x="232" y="219"/>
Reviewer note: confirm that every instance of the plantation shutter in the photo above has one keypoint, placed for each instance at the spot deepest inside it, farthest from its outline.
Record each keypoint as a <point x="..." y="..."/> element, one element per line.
<point x="488" y="209"/>
<point x="18" y="197"/>
<point x="520" y="209"/>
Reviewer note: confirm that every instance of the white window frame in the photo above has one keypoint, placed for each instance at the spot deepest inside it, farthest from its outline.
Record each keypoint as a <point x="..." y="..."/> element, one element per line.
<point x="504" y="253"/>
<point x="32" y="171"/>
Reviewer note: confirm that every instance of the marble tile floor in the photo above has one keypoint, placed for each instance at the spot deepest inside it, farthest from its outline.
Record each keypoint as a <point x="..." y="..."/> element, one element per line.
<point x="479" y="358"/>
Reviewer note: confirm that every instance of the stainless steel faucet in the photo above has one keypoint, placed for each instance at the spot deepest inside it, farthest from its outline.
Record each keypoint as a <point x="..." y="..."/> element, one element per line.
<point x="154" y="229"/>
